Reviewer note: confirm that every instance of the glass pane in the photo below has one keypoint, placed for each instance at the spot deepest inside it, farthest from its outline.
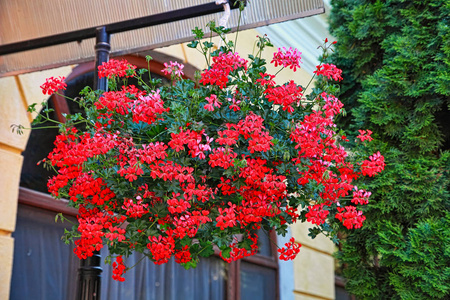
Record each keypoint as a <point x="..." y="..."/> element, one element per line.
<point x="44" y="267"/>
<point x="264" y="243"/>
<point x="341" y="294"/>
<point x="147" y="281"/>
<point x="257" y="282"/>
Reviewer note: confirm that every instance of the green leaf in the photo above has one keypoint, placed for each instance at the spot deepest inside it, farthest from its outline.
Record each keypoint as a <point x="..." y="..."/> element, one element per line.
<point x="206" y="251"/>
<point x="193" y="44"/>
<point x="226" y="252"/>
<point x="198" y="33"/>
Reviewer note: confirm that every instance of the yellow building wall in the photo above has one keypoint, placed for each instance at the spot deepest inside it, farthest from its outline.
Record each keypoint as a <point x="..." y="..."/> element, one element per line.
<point x="16" y="93"/>
<point x="313" y="267"/>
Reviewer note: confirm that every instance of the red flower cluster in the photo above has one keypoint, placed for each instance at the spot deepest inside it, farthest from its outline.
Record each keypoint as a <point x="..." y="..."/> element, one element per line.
<point x="183" y="256"/>
<point x="147" y="108"/>
<point x="317" y="144"/>
<point x="222" y="157"/>
<point x="135" y="210"/>
<point x="53" y="84"/>
<point x="350" y="217"/>
<point x="329" y="70"/>
<point x="161" y="248"/>
<point x="193" y="140"/>
<point x="285" y="95"/>
<point x="365" y="135"/>
<point x="119" y="102"/>
<point x="251" y="128"/>
<point x="71" y="152"/>
<point x="93" y="226"/>
<point x="227" y="217"/>
<point x="222" y="66"/>
<point x="116" y="68"/>
<point x="290" y="250"/>
<point x="317" y="214"/>
<point x="118" y="269"/>
<point x="163" y="173"/>
<point x="238" y="253"/>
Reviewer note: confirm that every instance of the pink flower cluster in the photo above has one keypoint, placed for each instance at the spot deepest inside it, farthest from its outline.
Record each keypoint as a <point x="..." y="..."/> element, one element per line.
<point x="287" y="58"/>
<point x="173" y="68"/>
<point x="374" y="165"/>
<point x="212" y="102"/>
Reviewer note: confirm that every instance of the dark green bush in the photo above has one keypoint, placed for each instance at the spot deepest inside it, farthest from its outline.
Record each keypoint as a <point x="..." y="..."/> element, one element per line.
<point x="395" y="57"/>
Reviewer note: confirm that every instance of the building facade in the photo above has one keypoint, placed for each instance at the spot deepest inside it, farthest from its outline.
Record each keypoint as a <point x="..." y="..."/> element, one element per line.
<point x="309" y="276"/>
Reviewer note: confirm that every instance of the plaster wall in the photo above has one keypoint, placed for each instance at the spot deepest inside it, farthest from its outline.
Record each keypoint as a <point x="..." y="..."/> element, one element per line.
<point x="16" y="93"/>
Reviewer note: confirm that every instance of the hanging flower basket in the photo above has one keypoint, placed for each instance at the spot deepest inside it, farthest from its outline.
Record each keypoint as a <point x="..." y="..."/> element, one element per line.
<point x="181" y="170"/>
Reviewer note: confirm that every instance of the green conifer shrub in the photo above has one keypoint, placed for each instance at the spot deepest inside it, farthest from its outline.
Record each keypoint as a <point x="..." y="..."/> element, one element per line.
<point x="395" y="57"/>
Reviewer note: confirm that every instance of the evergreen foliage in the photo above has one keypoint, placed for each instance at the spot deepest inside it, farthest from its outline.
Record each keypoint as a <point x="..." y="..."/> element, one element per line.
<point x="395" y="57"/>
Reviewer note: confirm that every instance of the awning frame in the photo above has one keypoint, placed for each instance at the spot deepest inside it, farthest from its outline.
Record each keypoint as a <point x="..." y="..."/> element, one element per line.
<point x="128" y="25"/>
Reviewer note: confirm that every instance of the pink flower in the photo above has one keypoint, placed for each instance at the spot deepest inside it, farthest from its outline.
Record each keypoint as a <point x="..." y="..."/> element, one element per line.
<point x="374" y="165"/>
<point x="235" y="104"/>
<point x="360" y="196"/>
<point x="287" y="58"/>
<point x="212" y="102"/>
<point x="173" y="68"/>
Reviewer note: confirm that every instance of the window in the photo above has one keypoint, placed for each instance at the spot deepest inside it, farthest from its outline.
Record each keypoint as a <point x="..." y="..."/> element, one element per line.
<point x="257" y="275"/>
<point x="44" y="267"/>
<point x="340" y="292"/>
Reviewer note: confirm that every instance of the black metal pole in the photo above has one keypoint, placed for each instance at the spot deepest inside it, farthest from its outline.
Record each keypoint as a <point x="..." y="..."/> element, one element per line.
<point x="102" y="50"/>
<point x="89" y="273"/>
<point x="89" y="278"/>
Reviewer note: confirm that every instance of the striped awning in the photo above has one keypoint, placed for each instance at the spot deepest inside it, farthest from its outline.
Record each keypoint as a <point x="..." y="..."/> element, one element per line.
<point x="23" y="20"/>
